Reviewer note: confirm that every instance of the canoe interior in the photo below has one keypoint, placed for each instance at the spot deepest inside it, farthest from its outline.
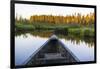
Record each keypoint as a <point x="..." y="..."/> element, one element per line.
<point x="52" y="52"/>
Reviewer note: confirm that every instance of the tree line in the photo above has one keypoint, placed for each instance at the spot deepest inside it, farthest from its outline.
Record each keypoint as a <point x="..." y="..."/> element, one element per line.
<point x="68" y="19"/>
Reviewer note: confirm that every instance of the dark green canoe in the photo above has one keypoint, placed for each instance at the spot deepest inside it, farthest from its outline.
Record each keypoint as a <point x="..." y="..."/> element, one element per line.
<point x="51" y="52"/>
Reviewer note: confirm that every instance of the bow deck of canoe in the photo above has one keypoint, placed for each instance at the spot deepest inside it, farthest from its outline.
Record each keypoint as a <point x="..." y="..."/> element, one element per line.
<point x="51" y="52"/>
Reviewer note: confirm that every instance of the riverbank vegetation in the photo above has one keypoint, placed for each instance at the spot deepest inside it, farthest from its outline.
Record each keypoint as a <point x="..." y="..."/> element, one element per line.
<point x="77" y="24"/>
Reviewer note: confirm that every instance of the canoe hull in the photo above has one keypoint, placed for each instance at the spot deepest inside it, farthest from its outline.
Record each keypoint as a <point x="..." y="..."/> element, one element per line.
<point x="52" y="52"/>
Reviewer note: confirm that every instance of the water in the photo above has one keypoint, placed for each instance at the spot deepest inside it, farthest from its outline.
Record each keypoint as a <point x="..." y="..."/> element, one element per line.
<point x="27" y="43"/>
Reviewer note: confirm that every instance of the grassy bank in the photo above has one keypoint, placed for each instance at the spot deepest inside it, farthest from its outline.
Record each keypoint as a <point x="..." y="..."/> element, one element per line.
<point x="39" y="26"/>
<point x="87" y="31"/>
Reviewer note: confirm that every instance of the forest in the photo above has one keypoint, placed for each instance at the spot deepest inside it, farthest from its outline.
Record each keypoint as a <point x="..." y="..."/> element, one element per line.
<point x="73" y="24"/>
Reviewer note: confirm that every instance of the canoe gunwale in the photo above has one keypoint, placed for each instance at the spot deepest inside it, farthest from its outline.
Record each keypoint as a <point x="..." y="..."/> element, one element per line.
<point x="33" y="54"/>
<point x="67" y="49"/>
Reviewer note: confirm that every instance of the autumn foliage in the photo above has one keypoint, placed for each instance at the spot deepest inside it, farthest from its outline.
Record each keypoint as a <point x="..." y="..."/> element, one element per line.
<point x="68" y="19"/>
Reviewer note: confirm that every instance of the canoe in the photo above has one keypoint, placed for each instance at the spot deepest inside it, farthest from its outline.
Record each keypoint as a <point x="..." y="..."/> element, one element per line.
<point x="53" y="51"/>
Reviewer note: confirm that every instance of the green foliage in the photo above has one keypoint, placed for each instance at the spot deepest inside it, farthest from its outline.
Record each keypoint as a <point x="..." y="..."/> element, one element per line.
<point x="75" y="31"/>
<point x="23" y="27"/>
<point x="89" y="33"/>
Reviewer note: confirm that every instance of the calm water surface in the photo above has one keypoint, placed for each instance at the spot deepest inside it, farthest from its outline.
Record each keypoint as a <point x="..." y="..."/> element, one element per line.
<point x="26" y="44"/>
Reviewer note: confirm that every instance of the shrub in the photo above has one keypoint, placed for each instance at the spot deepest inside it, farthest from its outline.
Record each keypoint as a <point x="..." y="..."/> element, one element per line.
<point x="88" y="33"/>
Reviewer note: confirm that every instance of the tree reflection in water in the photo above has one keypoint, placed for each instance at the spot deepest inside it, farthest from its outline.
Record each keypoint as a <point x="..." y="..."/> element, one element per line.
<point x="75" y="39"/>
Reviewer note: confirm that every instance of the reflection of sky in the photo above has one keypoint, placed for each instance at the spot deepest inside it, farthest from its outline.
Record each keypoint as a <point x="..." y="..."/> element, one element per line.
<point x="27" y="10"/>
<point x="25" y="46"/>
<point x="81" y="50"/>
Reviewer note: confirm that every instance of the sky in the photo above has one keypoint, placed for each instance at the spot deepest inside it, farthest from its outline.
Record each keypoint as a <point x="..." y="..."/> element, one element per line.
<point x="27" y="10"/>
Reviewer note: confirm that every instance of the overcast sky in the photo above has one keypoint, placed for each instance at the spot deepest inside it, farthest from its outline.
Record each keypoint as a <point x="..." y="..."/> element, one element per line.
<point x="27" y="10"/>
